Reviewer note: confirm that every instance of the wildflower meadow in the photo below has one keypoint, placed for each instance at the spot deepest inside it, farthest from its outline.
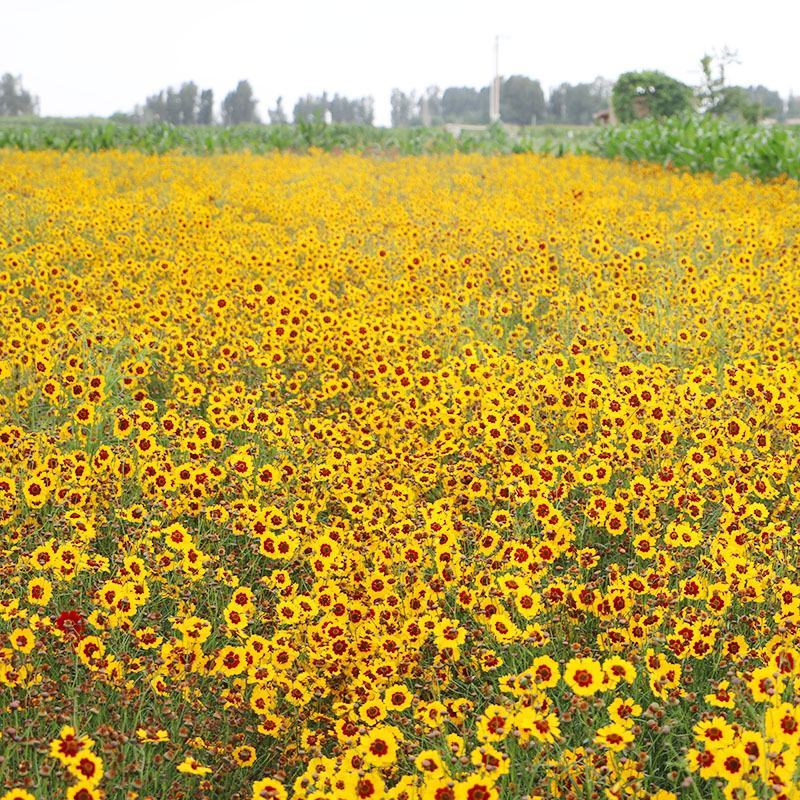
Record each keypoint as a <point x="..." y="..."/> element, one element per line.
<point x="334" y="476"/>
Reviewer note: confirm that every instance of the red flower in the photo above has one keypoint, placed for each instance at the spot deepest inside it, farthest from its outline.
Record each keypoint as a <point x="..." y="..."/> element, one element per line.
<point x="71" y="624"/>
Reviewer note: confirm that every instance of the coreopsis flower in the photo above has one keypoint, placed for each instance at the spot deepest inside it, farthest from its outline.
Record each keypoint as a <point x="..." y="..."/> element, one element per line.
<point x="71" y="624"/>
<point x="584" y="676"/>
<point x="84" y="791"/>
<point x="268" y="789"/>
<point x="22" y="639"/>
<point x="145" y="735"/>
<point x="476" y="788"/>
<point x="17" y="794"/>
<point x="40" y="590"/>
<point x="379" y="745"/>
<point x="615" y="736"/>
<point x="191" y="766"/>
<point x="87" y="767"/>
<point x="624" y="710"/>
<point x="69" y="745"/>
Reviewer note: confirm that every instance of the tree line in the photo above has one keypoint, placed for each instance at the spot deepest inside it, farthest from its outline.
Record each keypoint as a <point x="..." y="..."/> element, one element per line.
<point x="522" y="102"/>
<point x="189" y="105"/>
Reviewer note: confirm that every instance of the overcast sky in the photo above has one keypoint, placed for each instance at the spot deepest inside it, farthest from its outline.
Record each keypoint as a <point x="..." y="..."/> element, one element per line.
<point x="86" y="57"/>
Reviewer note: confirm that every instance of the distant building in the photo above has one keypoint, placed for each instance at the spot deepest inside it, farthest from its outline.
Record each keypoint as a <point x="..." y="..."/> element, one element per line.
<point x="605" y="117"/>
<point x="457" y="128"/>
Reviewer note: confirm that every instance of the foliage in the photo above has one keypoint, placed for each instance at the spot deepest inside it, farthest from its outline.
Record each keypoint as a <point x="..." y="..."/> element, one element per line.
<point x="649" y="94"/>
<point x="577" y="104"/>
<point x="465" y="104"/>
<point x="355" y="111"/>
<point x="767" y="101"/>
<point x="692" y="143"/>
<point x="521" y="101"/>
<point x="310" y="108"/>
<point x="715" y="97"/>
<point x="337" y="109"/>
<point x="161" y="138"/>
<point x="186" y="105"/>
<point x="239" y="106"/>
<point x="277" y="115"/>
<point x="205" y="108"/>
<point x="15" y="101"/>
<point x="404" y="109"/>
<point x="705" y="145"/>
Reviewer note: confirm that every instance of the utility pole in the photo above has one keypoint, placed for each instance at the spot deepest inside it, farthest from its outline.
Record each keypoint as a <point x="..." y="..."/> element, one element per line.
<point x="494" y="92"/>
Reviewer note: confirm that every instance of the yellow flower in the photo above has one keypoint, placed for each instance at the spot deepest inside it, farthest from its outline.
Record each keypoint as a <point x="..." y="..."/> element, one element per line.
<point x="268" y="789"/>
<point x="36" y="492"/>
<point x="146" y="736"/>
<point x="397" y="697"/>
<point x="495" y="724"/>
<point x="379" y="745"/>
<point x="542" y="725"/>
<point x="18" y="794"/>
<point x="732" y="764"/>
<point x="40" y="590"/>
<point x="722" y="696"/>
<point x="87" y="767"/>
<point x="618" y="669"/>
<point x="69" y="745"/>
<point x="584" y="676"/>
<point x="244" y="756"/>
<point x="622" y="711"/>
<point x="191" y="766"/>
<point x="476" y="787"/>
<point x="84" y="790"/>
<point x="615" y="737"/>
<point x="22" y="639"/>
<point x="782" y="724"/>
<point x="545" y="671"/>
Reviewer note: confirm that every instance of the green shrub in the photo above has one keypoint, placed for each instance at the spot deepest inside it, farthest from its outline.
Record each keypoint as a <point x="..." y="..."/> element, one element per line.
<point x="649" y="94"/>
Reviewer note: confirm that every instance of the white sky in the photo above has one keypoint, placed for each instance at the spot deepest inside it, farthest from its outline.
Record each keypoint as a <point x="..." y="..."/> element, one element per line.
<point x="85" y="57"/>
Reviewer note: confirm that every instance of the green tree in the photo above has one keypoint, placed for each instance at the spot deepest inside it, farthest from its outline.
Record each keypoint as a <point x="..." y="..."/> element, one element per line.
<point x="577" y="104"/>
<point x="14" y="100"/>
<point x="311" y="108"/>
<point x="357" y="111"/>
<point x="173" y="106"/>
<point x="205" y="107"/>
<point x="521" y="101"/>
<point x="649" y="94"/>
<point x="767" y="102"/>
<point x="713" y="96"/>
<point x="430" y="106"/>
<point x="239" y="106"/>
<point x="277" y="116"/>
<point x="188" y="101"/>
<point x="404" y="109"/>
<point x="365" y="111"/>
<point x="183" y="106"/>
<point x="464" y="104"/>
<point x="155" y="108"/>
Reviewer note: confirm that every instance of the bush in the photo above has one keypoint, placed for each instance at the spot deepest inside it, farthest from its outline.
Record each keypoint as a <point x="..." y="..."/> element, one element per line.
<point x="649" y="94"/>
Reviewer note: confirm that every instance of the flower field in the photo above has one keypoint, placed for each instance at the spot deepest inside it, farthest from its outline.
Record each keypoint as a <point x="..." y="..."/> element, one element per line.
<point x="457" y="477"/>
